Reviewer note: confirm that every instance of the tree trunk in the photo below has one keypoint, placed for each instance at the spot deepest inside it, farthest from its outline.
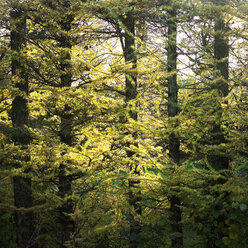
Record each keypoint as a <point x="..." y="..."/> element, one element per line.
<point x="220" y="162"/>
<point x="221" y="54"/>
<point x="20" y="115"/>
<point x="174" y="143"/>
<point x="131" y="93"/>
<point x="67" y="225"/>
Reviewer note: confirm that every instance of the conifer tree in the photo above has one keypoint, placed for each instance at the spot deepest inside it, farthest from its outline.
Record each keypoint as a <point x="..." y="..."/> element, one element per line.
<point x="130" y="56"/>
<point x="65" y="133"/>
<point x="20" y="121"/>
<point x="104" y="151"/>
<point x="58" y="32"/>
<point x="221" y="56"/>
<point x="174" y="143"/>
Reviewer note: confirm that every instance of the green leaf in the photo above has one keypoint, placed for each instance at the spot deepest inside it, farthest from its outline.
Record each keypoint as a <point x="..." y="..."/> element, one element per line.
<point x="216" y="214"/>
<point x="243" y="207"/>
<point x="235" y="204"/>
<point x="6" y="216"/>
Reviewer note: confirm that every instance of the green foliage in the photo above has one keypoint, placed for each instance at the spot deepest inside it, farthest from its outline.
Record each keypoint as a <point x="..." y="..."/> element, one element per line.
<point x="211" y="208"/>
<point x="7" y="227"/>
<point x="109" y="147"/>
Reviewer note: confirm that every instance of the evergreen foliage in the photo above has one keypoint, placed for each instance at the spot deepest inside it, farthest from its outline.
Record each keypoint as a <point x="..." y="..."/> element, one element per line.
<point x="123" y="124"/>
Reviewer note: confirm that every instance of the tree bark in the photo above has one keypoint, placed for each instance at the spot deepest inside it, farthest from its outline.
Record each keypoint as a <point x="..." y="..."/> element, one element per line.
<point x="130" y="94"/>
<point x="221" y="55"/>
<point x="67" y="225"/>
<point x="220" y="162"/>
<point x="174" y="143"/>
<point x="20" y="115"/>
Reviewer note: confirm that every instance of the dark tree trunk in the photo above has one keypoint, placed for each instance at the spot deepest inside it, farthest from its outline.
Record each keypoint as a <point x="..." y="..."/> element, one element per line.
<point x="172" y="82"/>
<point x="221" y="55"/>
<point x="19" y="115"/>
<point x="174" y="143"/>
<point x="220" y="162"/>
<point x="131" y="93"/>
<point x="67" y="225"/>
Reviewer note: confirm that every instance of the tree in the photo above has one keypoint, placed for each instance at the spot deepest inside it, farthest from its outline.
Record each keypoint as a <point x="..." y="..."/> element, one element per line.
<point x="221" y="56"/>
<point x="174" y="143"/>
<point x="20" y="121"/>
<point x="130" y="113"/>
<point x="65" y="133"/>
<point x="130" y="55"/>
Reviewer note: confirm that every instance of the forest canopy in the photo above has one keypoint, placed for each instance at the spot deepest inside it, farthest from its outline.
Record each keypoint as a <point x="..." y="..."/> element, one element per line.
<point x="123" y="124"/>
